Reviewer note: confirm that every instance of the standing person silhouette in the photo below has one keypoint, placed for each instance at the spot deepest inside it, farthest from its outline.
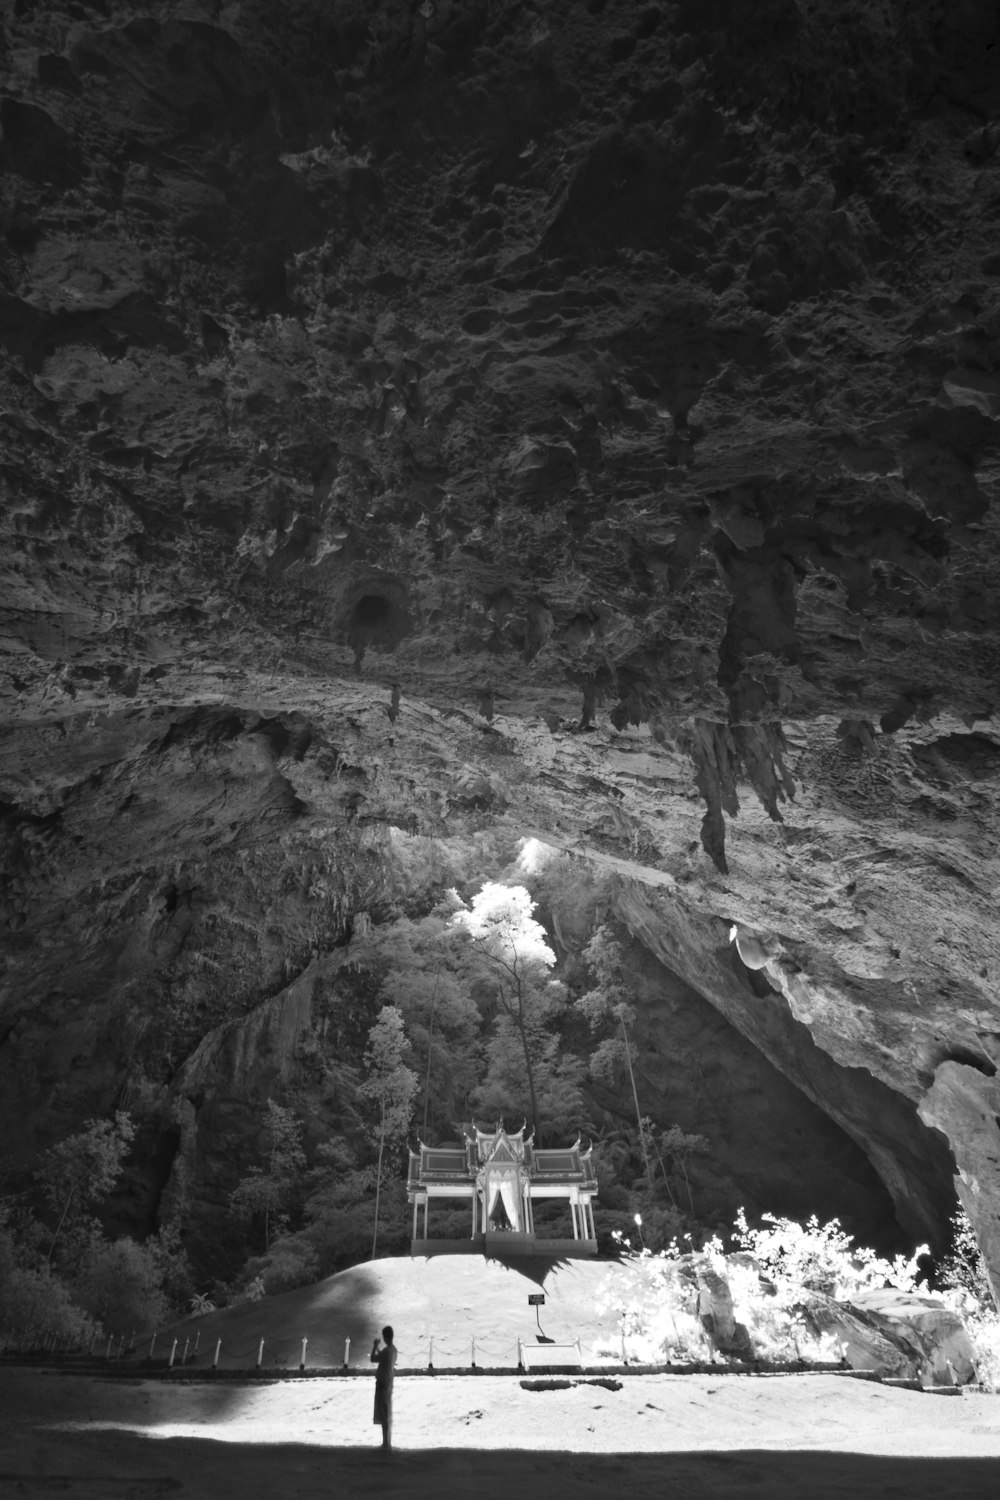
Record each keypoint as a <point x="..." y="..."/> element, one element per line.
<point x="385" y="1359"/>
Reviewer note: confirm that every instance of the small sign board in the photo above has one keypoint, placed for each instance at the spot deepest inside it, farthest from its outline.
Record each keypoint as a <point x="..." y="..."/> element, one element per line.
<point x="536" y="1299"/>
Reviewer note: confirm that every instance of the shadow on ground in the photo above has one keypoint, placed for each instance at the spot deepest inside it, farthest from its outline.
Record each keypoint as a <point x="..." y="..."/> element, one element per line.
<point x="93" y="1466"/>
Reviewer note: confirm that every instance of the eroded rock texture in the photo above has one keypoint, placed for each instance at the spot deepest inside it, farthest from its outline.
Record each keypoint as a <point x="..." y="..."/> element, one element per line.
<point x="484" y="419"/>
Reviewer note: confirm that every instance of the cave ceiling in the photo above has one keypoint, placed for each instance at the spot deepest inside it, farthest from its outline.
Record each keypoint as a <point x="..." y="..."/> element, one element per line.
<point x="429" y="424"/>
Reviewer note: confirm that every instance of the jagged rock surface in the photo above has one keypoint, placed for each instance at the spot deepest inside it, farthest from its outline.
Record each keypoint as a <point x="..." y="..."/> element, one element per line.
<point x="574" y="420"/>
<point x="898" y="1334"/>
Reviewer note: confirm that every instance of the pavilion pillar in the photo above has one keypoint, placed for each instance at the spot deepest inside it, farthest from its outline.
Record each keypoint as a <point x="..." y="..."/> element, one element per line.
<point x="427" y="1204"/>
<point x="416" y="1210"/>
<point x="473" y="1212"/>
<point x="576" y="1226"/>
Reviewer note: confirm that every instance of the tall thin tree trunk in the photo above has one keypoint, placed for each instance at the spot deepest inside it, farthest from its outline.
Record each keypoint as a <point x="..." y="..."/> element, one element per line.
<point x="687" y="1181"/>
<point x="58" y="1229"/>
<point x="527" y="1064"/>
<point x="430" y="1038"/>
<point x="378" y="1179"/>
<point x="635" y="1098"/>
<point x="666" y="1175"/>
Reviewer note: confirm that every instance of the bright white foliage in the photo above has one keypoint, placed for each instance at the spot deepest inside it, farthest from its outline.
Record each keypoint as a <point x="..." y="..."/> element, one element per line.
<point x="499" y="916"/>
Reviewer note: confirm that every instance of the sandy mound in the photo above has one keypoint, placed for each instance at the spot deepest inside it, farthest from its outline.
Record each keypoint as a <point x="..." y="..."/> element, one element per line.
<point x="448" y="1298"/>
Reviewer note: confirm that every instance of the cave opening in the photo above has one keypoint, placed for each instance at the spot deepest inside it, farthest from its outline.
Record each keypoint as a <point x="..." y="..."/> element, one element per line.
<point x="377" y="619"/>
<point x="773" y="1147"/>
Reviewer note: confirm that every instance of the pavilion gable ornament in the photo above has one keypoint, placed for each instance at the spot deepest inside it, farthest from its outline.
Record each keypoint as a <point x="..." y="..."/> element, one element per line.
<point x="502" y="1175"/>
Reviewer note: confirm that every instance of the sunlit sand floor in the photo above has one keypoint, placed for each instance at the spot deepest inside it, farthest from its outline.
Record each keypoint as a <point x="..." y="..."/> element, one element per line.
<point x="459" y="1437"/>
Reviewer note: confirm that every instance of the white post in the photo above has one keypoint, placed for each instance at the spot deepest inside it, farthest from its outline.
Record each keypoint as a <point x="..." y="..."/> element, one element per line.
<point x="520" y="1355"/>
<point x="579" y="1351"/>
<point x="260" y="1354"/>
<point x="430" y="1357"/>
<point x="624" y="1355"/>
<point x="173" y="1351"/>
<point x="131" y="1343"/>
<point x="302" y="1361"/>
<point x="218" y="1351"/>
<point x="152" y="1345"/>
<point x="473" y="1351"/>
<point x="416" y="1210"/>
<point x="197" y="1341"/>
<point x="347" y="1352"/>
<point x="473" y="1213"/>
<point x="184" y="1355"/>
<point x="107" y="1352"/>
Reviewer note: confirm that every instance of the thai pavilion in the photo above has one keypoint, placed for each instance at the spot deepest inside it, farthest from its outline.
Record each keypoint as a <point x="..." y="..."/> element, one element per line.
<point x="502" y="1176"/>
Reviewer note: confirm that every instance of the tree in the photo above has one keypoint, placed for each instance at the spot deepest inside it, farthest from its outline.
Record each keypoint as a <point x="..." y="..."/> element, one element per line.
<point x="392" y="1088"/>
<point x="267" y="1192"/>
<point x="427" y="977"/>
<point x="120" y="1283"/>
<point x="557" y="1075"/>
<point x="79" y="1173"/>
<point x="673" y="1149"/>
<point x="516" y="958"/>
<point x="607" y="1001"/>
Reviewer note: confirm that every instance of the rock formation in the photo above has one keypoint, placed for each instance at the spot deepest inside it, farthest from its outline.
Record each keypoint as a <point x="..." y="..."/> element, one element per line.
<point x="430" y="425"/>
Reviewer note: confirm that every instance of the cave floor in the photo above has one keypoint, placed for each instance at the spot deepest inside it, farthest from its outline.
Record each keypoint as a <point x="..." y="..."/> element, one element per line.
<point x="490" y="1437"/>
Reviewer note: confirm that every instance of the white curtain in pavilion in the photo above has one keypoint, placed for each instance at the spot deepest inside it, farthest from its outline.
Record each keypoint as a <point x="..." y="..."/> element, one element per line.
<point x="507" y="1191"/>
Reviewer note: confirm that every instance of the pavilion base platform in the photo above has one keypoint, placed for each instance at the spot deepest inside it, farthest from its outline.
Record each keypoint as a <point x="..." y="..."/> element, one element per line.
<point x="502" y="1246"/>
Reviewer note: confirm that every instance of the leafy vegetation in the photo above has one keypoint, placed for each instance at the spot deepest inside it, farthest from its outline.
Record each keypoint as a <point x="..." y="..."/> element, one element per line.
<point x="265" y="1196"/>
<point x="391" y="1086"/>
<point x="78" y="1174"/>
<point x="59" y="1273"/>
<point x="966" y="1286"/>
<point x="770" y="1272"/>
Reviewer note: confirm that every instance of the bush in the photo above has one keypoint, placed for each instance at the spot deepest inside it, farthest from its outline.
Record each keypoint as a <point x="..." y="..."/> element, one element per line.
<point x="35" y="1300"/>
<point x="983" y="1327"/>
<point x="817" y="1257"/>
<point x="289" y="1262"/>
<point x="172" y="1266"/>
<point x="119" y="1284"/>
<point x="963" y="1267"/>
<point x="769" y="1277"/>
<point x="654" y="1324"/>
<point x="966" y="1289"/>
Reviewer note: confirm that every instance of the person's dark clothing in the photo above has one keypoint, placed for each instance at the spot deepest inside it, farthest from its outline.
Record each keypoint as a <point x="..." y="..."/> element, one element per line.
<point x="385" y="1360"/>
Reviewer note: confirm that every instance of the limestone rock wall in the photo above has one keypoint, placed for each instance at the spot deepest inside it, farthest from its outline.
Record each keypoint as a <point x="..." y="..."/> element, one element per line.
<point x="483" y="420"/>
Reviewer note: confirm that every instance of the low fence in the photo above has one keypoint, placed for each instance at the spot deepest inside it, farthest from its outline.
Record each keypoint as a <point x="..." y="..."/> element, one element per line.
<point x="159" y="1352"/>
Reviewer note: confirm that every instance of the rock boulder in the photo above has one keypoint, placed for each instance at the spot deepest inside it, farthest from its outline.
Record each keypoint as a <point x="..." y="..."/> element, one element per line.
<point x="899" y="1334"/>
